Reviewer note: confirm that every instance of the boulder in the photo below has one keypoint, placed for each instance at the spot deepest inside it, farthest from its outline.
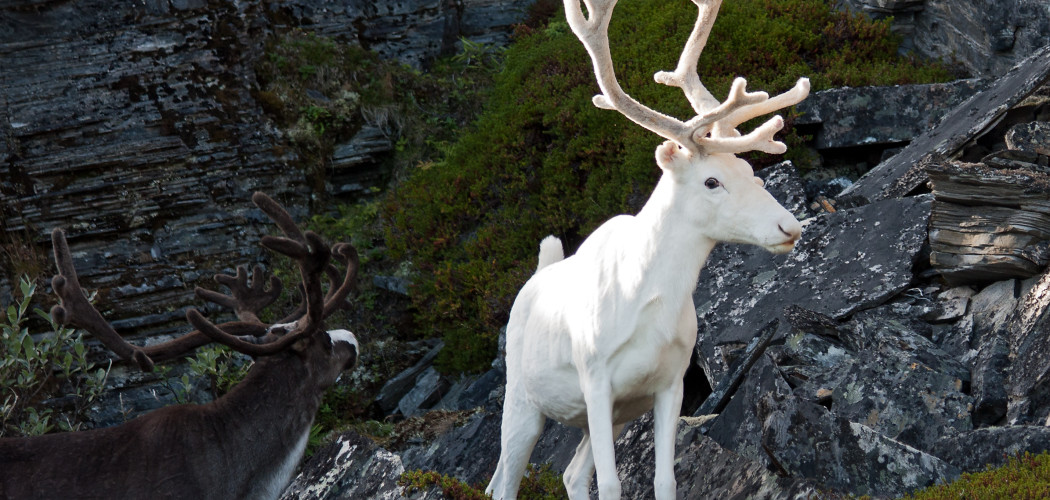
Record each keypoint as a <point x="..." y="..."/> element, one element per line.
<point x="1031" y="137"/>
<point x="724" y="474"/>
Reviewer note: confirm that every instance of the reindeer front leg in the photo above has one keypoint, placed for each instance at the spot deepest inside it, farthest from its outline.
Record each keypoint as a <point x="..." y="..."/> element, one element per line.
<point x="597" y="394"/>
<point x="668" y="403"/>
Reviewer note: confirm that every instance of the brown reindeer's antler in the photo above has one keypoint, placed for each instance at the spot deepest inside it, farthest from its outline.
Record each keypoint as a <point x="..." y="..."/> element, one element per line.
<point x="713" y="130"/>
<point x="248" y="335"/>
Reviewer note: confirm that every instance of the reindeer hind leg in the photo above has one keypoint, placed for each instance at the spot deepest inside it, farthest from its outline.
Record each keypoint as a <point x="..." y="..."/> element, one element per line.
<point x="521" y="428"/>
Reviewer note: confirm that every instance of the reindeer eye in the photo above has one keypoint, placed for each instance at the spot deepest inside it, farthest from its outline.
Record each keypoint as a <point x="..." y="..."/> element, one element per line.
<point x="711" y="183"/>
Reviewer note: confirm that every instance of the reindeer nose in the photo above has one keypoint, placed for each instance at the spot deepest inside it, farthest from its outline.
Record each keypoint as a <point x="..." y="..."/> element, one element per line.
<point x="792" y="231"/>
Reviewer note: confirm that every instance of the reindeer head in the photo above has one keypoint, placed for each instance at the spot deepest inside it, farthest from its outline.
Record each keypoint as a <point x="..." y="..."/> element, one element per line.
<point x="719" y="189"/>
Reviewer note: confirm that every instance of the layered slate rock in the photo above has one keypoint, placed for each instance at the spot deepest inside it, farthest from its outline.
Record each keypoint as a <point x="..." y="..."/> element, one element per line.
<point x="988" y="224"/>
<point x="136" y="122"/>
<point x="846" y="261"/>
<point x="904" y="172"/>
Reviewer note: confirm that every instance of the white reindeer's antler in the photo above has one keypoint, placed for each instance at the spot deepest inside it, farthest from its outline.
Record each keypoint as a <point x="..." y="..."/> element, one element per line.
<point x="713" y="130"/>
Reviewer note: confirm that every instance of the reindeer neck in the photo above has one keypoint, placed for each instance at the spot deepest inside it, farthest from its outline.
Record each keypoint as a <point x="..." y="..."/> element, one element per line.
<point x="672" y="248"/>
<point x="280" y="387"/>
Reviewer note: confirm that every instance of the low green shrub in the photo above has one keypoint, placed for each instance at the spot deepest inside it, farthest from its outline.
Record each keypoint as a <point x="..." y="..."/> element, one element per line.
<point x="539" y="483"/>
<point x="46" y="381"/>
<point x="1025" y="476"/>
<point x="541" y="159"/>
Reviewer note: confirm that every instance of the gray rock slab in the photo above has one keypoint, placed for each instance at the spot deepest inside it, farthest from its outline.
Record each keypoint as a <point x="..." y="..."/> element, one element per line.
<point x="884" y="375"/>
<point x="903" y="173"/>
<point x="428" y="390"/>
<point x="1029" y="376"/>
<point x="846" y="261"/>
<point x="864" y="116"/>
<point x="397" y="387"/>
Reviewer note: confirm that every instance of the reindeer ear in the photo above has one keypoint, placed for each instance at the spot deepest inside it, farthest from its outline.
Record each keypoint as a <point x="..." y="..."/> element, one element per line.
<point x="671" y="156"/>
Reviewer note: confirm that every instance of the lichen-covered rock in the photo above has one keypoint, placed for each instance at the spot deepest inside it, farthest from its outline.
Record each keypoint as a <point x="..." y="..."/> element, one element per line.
<point x="864" y="116"/>
<point x="350" y="467"/>
<point x="807" y="440"/>
<point x="846" y="261"/>
<point x="724" y="474"/>
<point x="1031" y="137"/>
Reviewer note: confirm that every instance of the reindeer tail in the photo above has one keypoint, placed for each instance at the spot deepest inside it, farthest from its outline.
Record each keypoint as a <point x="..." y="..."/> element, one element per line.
<point x="550" y="252"/>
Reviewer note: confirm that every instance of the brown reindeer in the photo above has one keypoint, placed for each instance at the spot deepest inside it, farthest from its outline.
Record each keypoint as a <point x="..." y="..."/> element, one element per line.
<point x="245" y="444"/>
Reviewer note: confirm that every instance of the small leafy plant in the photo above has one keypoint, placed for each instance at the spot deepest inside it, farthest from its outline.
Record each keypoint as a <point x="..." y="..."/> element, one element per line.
<point x="46" y="380"/>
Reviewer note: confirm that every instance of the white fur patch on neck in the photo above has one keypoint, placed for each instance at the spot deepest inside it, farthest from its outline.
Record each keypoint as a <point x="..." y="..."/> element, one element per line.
<point x="344" y="336"/>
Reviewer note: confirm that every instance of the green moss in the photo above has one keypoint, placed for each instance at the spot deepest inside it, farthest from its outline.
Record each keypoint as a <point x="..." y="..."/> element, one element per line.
<point x="543" y="160"/>
<point x="1024" y="476"/>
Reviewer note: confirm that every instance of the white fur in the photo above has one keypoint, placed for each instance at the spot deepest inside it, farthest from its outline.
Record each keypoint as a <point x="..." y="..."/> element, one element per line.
<point x="598" y="339"/>
<point x="344" y="336"/>
<point x="551" y="251"/>
<point x="274" y="485"/>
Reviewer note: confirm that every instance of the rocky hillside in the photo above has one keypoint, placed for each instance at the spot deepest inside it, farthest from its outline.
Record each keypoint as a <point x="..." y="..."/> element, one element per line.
<point x="898" y="346"/>
<point x="138" y="128"/>
<point x="907" y="348"/>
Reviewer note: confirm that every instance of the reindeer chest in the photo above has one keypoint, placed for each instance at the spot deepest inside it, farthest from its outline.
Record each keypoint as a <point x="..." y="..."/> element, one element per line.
<point x="648" y="361"/>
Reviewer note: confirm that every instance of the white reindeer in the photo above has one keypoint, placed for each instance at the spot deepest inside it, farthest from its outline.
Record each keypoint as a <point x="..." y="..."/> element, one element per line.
<point x="600" y="338"/>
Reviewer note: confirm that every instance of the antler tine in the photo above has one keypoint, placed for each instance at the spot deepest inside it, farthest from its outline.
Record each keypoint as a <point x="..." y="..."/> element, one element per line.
<point x="593" y="32"/>
<point x="685" y="76"/>
<point x="336" y="298"/>
<point x="247" y="300"/>
<point x="74" y="308"/>
<point x="238" y="343"/>
<point x="790" y="98"/>
<point x="278" y="215"/>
